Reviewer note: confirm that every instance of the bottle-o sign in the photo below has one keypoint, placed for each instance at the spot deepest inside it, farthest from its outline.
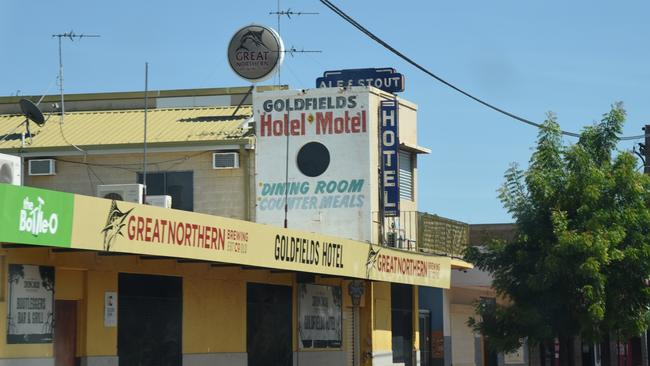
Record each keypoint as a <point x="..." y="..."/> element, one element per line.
<point x="255" y="52"/>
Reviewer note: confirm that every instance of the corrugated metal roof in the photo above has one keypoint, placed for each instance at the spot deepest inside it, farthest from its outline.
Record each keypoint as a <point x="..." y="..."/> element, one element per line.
<point x="105" y="128"/>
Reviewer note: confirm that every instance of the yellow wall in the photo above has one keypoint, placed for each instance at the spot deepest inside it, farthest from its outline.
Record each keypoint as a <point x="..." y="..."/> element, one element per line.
<point x="98" y="340"/>
<point x="416" y="319"/>
<point x="381" y="317"/>
<point x="214" y="299"/>
<point x="213" y="315"/>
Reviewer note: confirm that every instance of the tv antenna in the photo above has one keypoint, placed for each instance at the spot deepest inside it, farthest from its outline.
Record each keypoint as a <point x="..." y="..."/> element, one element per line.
<point x="71" y="36"/>
<point x="288" y="13"/>
<point x="31" y="112"/>
<point x="293" y="50"/>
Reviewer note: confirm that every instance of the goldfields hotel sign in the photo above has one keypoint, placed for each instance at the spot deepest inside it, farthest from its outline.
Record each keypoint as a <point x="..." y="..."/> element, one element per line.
<point x="255" y="52"/>
<point x="313" y="152"/>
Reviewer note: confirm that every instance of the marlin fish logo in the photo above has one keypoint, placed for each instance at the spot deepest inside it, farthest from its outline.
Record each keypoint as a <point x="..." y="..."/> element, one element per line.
<point x="371" y="261"/>
<point x="253" y="36"/>
<point x="114" y="225"/>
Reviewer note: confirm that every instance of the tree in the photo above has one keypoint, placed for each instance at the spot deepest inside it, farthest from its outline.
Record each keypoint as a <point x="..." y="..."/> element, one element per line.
<point x="580" y="260"/>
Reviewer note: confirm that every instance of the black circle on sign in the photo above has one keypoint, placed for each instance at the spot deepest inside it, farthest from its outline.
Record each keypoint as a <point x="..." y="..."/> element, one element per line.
<point x="313" y="159"/>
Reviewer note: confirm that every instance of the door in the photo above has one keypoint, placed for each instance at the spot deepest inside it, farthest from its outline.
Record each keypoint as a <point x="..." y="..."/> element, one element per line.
<point x="268" y="325"/>
<point x="149" y="320"/>
<point x="401" y="298"/>
<point x="65" y="333"/>
<point x="425" y="338"/>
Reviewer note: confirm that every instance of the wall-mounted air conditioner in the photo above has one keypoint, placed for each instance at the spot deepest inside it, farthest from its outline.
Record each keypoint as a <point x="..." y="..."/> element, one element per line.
<point x="121" y="192"/>
<point x="10" y="169"/>
<point x="225" y="160"/>
<point x="164" y="201"/>
<point x="41" y="167"/>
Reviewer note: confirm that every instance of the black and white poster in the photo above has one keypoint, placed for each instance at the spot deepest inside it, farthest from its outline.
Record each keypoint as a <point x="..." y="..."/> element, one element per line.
<point x="320" y="316"/>
<point x="30" y="309"/>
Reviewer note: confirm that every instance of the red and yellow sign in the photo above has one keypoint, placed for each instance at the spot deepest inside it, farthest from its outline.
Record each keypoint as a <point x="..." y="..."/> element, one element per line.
<point x="104" y="225"/>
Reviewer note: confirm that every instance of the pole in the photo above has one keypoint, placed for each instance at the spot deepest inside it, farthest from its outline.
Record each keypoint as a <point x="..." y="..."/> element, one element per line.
<point x="146" y="107"/>
<point x="286" y="183"/>
<point x="646" y="167"/>
<point x="61" y="81"/>
<point x="646" y="170"/>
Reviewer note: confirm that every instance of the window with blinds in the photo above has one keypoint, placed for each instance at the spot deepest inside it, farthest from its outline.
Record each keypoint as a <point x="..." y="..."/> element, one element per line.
<point x="405" y="176"/>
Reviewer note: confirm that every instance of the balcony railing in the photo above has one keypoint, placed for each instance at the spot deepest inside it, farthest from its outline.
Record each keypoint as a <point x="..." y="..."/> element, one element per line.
<point x="424" y="232"/>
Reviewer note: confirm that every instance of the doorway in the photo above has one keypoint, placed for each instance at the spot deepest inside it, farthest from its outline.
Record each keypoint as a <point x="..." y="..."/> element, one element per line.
<point x="268" y="325"/>
<point x="149" y="320"/>
<point x="425" y="338"/>
<point x="401" y="298"/>
<point x="65" y="333"/>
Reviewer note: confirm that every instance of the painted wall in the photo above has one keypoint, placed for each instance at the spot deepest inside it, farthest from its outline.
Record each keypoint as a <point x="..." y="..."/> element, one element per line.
<point x="334" y="199"/>
<point x="214" y="304"/>
<point x="463" y="342"/>
<point x="219" y="192"/>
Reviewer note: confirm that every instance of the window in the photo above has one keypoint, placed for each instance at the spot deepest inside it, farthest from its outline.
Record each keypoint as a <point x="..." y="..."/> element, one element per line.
<point x="179" y="185"/>
<point x="405" y="176"/>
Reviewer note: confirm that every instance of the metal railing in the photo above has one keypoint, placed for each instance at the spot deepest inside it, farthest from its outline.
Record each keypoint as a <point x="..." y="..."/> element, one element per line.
<point x="424" y="232"/>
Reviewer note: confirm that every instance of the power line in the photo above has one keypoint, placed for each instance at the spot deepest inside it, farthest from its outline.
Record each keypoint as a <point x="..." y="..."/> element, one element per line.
<point x="375" y="38"/>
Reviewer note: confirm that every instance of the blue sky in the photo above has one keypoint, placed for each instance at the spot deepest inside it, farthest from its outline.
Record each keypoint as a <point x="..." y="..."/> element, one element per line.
<point x="575" y="58"/>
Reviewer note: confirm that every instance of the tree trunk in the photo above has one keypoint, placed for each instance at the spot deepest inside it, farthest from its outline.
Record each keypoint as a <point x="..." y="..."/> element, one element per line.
<point x="577" y="350"/>
<point x="644" y="348"/>
<point x="613" y="350"/>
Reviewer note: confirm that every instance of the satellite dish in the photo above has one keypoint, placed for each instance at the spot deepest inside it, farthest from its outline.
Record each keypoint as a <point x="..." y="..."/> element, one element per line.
<point x="32" y="112"/>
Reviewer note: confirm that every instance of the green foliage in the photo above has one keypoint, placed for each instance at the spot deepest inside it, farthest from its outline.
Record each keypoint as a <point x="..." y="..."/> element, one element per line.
<point x="582" y="251"/>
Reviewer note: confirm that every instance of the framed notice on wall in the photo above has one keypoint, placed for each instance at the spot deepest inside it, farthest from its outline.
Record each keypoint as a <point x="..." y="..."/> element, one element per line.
<point x="515" y="357"/>
<point x="320" y="309"/>
<point x="30" y="307"/>
<point x="110" y="309"/>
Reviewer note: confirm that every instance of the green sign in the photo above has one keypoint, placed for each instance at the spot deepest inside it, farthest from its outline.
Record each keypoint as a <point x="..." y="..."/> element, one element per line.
<point x="35" y="216"/>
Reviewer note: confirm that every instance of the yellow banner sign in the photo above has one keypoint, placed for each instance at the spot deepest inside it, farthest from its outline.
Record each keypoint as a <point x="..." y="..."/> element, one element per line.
<point x="124" y="227"/>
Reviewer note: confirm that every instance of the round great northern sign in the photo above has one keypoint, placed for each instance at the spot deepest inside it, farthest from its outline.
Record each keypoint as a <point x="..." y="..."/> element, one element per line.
<point x="255" y="52"/>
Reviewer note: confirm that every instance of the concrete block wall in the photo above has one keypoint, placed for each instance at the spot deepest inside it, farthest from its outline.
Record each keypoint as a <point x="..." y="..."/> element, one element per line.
<point x="216" y="192"/>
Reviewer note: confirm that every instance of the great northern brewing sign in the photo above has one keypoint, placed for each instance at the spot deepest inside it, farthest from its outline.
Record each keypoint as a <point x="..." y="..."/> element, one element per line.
<point x="255" y="52"/>
<point x="102" y="225"/>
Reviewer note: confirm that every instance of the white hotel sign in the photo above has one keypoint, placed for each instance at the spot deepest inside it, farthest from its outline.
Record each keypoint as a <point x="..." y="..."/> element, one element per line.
<point x="328" y="186"/>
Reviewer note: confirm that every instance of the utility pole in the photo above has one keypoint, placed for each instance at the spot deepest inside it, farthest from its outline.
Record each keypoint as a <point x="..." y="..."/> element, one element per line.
<point x="646" y="148"/>
<point x="645" y="152"/>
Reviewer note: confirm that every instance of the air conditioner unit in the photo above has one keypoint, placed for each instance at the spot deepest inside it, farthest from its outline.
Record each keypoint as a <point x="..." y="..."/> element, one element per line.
<point x="164" y="201"/>
<point x="41" y="167"/>
<point x="10" y="169"/>
<point x="225" y="160"/>
<point x="121" y="192"/>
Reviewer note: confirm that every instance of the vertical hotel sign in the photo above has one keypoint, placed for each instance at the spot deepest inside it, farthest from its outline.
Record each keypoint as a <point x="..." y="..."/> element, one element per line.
<point x="389" y="142"/>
